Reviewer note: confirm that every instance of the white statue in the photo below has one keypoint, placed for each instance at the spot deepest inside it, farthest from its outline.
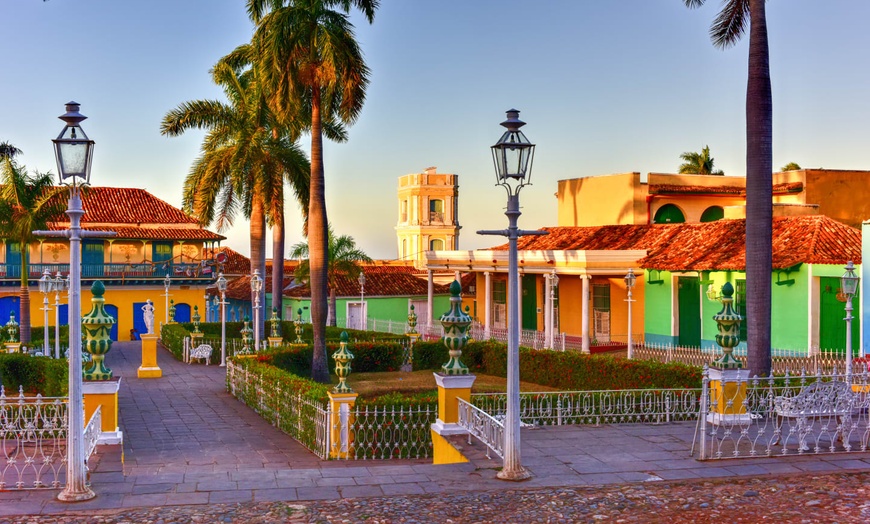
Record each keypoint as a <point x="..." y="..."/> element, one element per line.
<point x="148" y="314"/>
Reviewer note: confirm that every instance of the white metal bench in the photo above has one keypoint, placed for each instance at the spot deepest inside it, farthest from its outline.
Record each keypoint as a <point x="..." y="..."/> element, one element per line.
<point x="819" y="400"/>
<point x="202" y="351"/>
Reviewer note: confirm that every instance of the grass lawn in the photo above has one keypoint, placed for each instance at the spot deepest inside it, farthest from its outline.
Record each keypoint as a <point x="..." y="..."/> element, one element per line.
<point x="374" y="384"/>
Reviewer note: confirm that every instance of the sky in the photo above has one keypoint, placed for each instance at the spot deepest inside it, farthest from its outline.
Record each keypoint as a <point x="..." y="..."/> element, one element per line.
<point x="604" y="86"/>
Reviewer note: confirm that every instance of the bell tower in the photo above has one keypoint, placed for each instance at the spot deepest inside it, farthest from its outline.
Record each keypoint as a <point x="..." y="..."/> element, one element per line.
<point x="428" y="214"/>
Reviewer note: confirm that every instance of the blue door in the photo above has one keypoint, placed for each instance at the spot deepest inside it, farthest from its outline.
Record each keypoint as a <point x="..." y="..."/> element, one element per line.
<point x="139" y="326"/>
<point x="9" y="305"/>
<point x="182" y="312"/>
<point x="92" y="258"/>
<point x="13" y="262"/>
<point x="64" y="314"/>
<point x="112" y="310"/>
<point x="161" y="255"/>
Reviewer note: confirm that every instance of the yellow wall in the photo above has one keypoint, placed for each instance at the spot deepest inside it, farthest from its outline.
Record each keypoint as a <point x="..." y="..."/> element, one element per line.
<point x="414" y="230"/>
<point x="123" y="298"/>
<point x="839" y="194"/>
<point x="604" y="200"/>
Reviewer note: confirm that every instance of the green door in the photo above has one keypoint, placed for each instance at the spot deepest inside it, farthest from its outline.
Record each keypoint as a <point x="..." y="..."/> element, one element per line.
<point x="529" y="303"/>
<point x="689" y="299"/>
<point x="92" y="258"/>
<point x="832" y="315"/>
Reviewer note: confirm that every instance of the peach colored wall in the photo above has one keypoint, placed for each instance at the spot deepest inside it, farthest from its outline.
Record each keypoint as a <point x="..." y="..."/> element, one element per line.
<point x="839" y="194"/>
<point x="604" y="200"/>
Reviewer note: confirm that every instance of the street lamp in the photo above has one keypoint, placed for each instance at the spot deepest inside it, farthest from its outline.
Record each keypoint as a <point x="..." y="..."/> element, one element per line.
<point x="849" y="287"/>
<point x="362" y="300"/>
<point x="554" y="285"/>
<point x="166" y="283"/>
<point x="74" y="151"/>
<point x="630" y="279"/>
<point x="512" y="156"/>
<point x="256" y="287"/>
<point x="60" y="284"/>
<point x="46" y="284"/>
<point x="222" y="288"/>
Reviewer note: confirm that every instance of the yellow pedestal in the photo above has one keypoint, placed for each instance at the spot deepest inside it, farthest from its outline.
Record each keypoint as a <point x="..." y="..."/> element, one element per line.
<point x="451" y="388"/>
<point x="275" y="341"/>
<point x="149" y="367"/>
<point x="12" y="347"/>
<point x="104" y="394"/>
<point x="728" y="396"/>
<point x="341" y="417"/>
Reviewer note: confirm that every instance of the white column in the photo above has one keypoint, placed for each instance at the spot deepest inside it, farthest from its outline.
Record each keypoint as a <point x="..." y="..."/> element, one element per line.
<point x="430" y="292"/>
<point x="584" y="309"/>
<point x="487" y="314"/>
<point x="548" y="313"/>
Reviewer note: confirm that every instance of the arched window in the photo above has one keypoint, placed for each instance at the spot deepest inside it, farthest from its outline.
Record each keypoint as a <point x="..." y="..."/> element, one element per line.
<point x="436" y="211"/>
<point x="712" y="214"/>
<point x="669" y="214"/>
<point x="436" y="244"/>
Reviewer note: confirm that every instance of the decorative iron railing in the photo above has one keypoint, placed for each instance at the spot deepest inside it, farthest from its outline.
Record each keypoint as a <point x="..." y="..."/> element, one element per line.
<point x="385" y="432"/>
<point x="114" y="270"/>
<point x="93" y="429"/>
<point x="483" y="426"/>
<point x="787" y="415"/>
<point x="649" y="406"/>
<point x="782" y="360"/>
<point x="32" y="441"/>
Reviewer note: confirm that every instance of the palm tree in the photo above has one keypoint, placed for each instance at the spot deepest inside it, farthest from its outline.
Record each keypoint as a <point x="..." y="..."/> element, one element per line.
<point x="7" y="150"/>
<point x="246" y="159"/>
<point x="310" y="60"/>
<point x="343" y="257"/>
<point x="699" y="163"/>
<point x="791" y="166"/>
<point x="728" y="27"/>
<point x="27" y="204"/>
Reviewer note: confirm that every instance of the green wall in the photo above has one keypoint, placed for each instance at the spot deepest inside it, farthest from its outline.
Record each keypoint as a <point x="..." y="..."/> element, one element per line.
<point x="379" y="308"/>
<point x="657" y="310"/>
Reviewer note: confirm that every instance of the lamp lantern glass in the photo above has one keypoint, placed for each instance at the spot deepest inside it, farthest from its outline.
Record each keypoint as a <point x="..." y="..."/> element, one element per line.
<point x="166" y="283"/>
<point x="630" y="278"/>
<point x="222" y="283"/>
<point x="73" y="150"/>
<point x="512" y="155"/>
<point x="256" y="282"/>
<point x="46" y="283"/>
<point x="362" y="278"/>
<point x="849" y="281"/>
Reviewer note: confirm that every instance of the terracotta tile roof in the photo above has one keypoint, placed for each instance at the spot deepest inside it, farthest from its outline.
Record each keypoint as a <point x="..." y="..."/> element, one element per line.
<point x="381" y="281"/>
<point x="152" y="233"/>
<point x="677" y="189"/>
<point x="718" y="245"/>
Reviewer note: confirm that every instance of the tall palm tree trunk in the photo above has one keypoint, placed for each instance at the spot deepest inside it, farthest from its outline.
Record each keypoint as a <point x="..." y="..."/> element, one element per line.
<point x="331" y="319"/>
<point x="24" y="321"/>
<point x="759" y="193"/>
<point x="278" y="259"/>
<point x="317" y="246"/>
<point x="258" y="252"/>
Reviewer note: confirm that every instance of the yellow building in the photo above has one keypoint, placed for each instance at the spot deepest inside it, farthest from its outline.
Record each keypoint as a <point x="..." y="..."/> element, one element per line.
<point x="428" y="214"/>
<point x="631" y="198"/>
<point x="154" y="239"/>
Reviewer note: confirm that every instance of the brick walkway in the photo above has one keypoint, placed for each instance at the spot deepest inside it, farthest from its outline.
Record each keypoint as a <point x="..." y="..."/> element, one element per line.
<point x="188" y="442"/>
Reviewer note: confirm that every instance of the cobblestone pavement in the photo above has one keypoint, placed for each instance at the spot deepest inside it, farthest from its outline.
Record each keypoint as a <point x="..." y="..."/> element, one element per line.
<point x="831" y="498"/>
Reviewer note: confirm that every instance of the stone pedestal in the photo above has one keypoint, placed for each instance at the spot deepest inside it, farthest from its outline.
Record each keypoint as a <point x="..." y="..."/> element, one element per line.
<point x="275" y="341"/>
<point x="12" y="347"/>
<point x="451" y="388"/>
<point x="104" y="394"/>
<point x="728" y="396"/>
<point x="340" y="418"/>
<point x="149" y="367"/>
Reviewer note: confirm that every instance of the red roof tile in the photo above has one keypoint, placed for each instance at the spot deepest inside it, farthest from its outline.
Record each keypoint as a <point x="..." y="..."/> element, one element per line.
<point x="381" y="281"/>
<point x="152" y="233"/>
<point x="718" y="245"/>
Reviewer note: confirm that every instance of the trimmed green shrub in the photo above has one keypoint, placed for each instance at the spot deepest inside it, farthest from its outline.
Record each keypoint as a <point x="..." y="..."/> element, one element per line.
<point x="38" y="375"/>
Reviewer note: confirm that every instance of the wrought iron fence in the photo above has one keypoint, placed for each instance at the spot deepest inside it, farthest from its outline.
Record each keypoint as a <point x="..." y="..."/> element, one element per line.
<point x="32" y="441"/>
<point x="787" y="415"/>
<point x="483" y="426"/>
<point x="385" y="432"/>
<point x="650" y="406"/>
<point x="814" y="360"/>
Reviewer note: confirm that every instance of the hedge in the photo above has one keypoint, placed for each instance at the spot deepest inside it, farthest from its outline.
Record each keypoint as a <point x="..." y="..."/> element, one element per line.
<point x="565" y="370"/>
<point x="38" y="375"/>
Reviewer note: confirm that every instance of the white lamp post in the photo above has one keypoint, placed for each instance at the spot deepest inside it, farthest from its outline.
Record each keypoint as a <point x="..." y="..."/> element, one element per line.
<point x="630" y="279"/>
<point x="512" y="156"/>
<point x="849" y="286"/>
<point x="362" y="300"/>
<point x="166" y="283"/>
<point x="222" y="288"/>
<point x="256" y="287"/>
<point x="554" y="285"/>
<point x="46" y="284"/>
<point x="60" y="284"/>
<point x="74" y="151"/>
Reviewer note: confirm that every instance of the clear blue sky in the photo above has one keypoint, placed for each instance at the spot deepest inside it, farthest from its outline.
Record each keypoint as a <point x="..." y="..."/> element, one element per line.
<point x="605" y="87"/>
